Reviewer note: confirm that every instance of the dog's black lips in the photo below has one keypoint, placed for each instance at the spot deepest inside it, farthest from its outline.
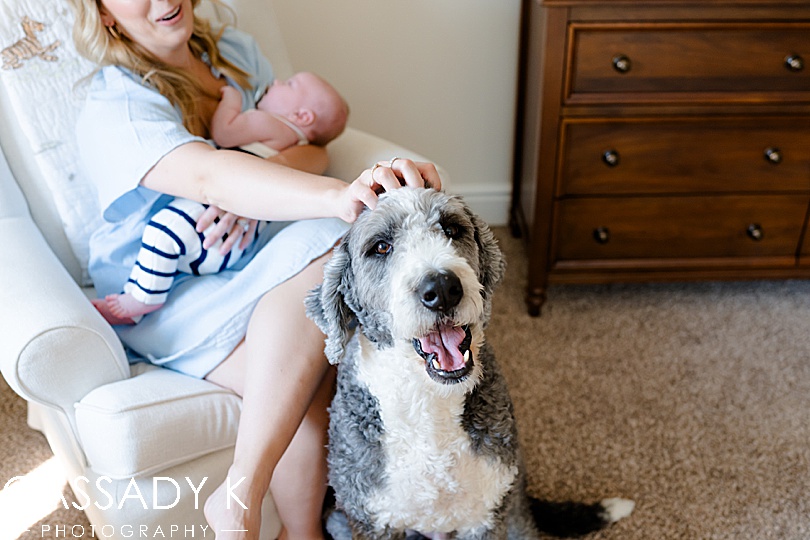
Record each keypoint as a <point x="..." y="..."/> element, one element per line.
<point x="448" y="377"/>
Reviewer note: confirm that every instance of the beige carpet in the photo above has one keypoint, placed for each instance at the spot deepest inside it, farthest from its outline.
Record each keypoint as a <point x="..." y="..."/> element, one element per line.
<point x="22" y="450"/>
<point x="692" y="400"/>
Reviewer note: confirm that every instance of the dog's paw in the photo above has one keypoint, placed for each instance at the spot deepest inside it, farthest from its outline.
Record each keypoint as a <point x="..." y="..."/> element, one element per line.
<point x="337" y="525"/>
<point x="616" y="509"/>
<point x="413" y="535"/>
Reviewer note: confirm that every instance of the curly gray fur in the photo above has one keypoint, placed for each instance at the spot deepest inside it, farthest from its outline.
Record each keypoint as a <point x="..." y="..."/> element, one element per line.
<point x="425" y="230"/>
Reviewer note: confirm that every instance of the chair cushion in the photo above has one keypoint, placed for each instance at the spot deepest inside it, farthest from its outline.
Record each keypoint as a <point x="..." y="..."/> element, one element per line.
<point x="156" y="419"/>
<point x="39" y="76"/>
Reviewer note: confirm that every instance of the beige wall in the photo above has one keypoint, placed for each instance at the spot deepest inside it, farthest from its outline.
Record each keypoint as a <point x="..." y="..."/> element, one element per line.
<point x="437" y="76"/>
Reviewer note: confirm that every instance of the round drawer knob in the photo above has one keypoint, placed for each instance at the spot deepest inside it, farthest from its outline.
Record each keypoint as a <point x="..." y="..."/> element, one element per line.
<point x="610" y="158"/>
<point x="601" y="235"/>
<point x="621" y="63"/>
<point x="794" y="62"/>
<point x="755" y="232"/>
<point x="773" y="155"/>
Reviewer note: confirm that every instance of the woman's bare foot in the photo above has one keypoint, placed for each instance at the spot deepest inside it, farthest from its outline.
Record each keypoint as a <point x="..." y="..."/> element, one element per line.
<point x="236" y="522"/>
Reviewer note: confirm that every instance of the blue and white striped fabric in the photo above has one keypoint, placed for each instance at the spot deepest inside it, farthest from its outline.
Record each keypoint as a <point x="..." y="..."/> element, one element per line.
<point x="170" y="245"/>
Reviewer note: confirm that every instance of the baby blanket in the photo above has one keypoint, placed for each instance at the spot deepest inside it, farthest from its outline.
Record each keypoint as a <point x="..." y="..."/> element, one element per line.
<point x="40" y="70"/>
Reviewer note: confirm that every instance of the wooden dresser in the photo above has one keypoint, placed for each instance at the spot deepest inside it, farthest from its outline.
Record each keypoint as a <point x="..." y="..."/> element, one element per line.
<point x="663" y="140"/>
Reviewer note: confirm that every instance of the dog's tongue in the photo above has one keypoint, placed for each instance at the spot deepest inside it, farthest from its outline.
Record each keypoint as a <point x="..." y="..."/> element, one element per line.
<point x="444" y="343"/>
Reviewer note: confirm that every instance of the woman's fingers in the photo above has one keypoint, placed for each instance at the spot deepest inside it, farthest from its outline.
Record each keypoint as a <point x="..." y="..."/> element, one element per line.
<point x="222" y="227"/>
<point x="249" y="233"/>
<point x="430" y="175"/>
<point x="407" y="170"/>
<point x="242" y="232"/>
<point x="387" y="176"/>
<point x="384" y="176"/>
<point x="209" y="216"/>
<point x="228" y="227"/>
<point x="237" y="232"/>
<point x="416" y="174"/>
<point x="366" y="189"/>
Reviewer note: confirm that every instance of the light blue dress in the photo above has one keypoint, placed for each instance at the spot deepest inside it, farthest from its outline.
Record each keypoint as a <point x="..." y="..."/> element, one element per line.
<point x="124" y="129"/>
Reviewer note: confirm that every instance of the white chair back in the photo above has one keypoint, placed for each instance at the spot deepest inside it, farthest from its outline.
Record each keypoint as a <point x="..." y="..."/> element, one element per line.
<point x="257" y="18"/>
<point x="35" y="60"/>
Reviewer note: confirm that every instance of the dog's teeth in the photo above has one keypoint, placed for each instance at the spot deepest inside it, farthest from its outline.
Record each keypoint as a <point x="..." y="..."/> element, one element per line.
<point x="467" y="355"/>
<point x="436" y="364"/>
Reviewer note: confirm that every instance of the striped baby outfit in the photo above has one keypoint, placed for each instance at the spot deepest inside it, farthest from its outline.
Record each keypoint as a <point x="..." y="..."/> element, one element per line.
<point x="171" y="245"/>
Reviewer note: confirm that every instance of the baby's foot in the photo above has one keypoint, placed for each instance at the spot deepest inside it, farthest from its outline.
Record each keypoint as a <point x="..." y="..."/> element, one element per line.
<point x="104" y="308"/>
<point x="126" y="306"/>
<point x="236" y="522"/>
<point x="123" y="308"/>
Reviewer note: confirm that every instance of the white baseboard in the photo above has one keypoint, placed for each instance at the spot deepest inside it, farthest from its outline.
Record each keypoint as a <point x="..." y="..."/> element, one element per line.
<point x="491" y="202"/>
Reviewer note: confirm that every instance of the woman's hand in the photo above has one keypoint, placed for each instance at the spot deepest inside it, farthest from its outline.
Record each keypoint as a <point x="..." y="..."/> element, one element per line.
<point x="385" y="176"/>
<point x="226" y="223"/>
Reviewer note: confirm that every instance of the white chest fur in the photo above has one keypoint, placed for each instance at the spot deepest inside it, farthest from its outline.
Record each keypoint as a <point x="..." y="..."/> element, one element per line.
<point x="435" y="481"/>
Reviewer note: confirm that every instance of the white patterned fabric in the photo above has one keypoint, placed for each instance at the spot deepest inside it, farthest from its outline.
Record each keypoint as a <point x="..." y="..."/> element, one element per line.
<point x="39" y="71"/>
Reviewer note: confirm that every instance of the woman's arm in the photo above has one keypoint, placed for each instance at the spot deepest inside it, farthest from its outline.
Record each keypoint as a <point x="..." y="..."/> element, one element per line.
<point x="242" y="184"/>
<point x="308" y="158"/>
<point x="260" y="189"/>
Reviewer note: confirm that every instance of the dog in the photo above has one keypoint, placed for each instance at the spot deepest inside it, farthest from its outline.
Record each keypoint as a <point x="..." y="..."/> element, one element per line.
<point x="422" y="436"/>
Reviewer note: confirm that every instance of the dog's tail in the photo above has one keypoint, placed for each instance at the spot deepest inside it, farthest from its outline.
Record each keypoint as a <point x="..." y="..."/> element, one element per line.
<point x="571" y="519"/>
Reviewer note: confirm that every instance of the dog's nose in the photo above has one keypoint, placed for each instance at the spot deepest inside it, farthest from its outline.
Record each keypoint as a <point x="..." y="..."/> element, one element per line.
<point x="440" y="291"/>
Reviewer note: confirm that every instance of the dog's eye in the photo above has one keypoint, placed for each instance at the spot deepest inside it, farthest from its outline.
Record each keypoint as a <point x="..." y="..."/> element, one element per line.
<point x="383" y="248"/>
<point x="453" y="231"/>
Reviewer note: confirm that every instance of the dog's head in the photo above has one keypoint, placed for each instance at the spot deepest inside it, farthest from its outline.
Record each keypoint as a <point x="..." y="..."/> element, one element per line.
<point x="420" y="268"/>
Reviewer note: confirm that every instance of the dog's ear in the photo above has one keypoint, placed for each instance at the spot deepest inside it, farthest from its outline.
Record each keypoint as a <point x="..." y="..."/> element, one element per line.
<point x="326" y="304"/>
<point x="491" y="264"/>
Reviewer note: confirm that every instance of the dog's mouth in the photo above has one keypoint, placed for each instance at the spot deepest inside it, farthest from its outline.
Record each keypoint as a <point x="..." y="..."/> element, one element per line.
<point x="447" y="354"/>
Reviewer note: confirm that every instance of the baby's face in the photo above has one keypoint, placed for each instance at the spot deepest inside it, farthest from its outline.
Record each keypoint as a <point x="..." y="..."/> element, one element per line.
<point x="302" y="90"/>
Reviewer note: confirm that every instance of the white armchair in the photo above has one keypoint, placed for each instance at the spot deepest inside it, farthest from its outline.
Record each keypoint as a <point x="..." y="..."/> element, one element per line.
<point x="113" y="426"/>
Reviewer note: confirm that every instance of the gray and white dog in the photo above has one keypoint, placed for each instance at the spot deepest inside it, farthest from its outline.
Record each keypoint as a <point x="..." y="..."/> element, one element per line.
<point x="422" y="434"/>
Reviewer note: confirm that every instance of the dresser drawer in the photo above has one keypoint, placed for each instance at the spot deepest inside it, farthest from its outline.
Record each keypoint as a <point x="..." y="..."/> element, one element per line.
<point x="666" y="58"/>
<point x="678" y="227"/>
<point x="626" y="156"/>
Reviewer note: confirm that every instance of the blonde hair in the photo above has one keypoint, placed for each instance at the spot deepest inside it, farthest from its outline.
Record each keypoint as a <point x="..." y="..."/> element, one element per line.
<point x="95" y="42"/>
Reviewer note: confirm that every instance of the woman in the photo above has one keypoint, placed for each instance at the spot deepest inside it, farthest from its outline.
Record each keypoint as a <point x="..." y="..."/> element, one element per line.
<point x="143" y="135"/>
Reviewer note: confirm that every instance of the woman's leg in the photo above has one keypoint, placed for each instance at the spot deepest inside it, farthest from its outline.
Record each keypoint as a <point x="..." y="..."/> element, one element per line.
<point x="281" y="373"/>
<point x="299" y="481"/>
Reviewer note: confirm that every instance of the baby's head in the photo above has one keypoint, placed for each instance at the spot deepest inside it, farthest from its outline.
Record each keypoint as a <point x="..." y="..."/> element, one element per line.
<point x="309" y="102"/>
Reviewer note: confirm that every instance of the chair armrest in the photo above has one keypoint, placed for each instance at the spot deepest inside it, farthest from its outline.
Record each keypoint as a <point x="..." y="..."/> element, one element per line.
<point x="55" y="346"/>
<point x="357" y="150"/>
